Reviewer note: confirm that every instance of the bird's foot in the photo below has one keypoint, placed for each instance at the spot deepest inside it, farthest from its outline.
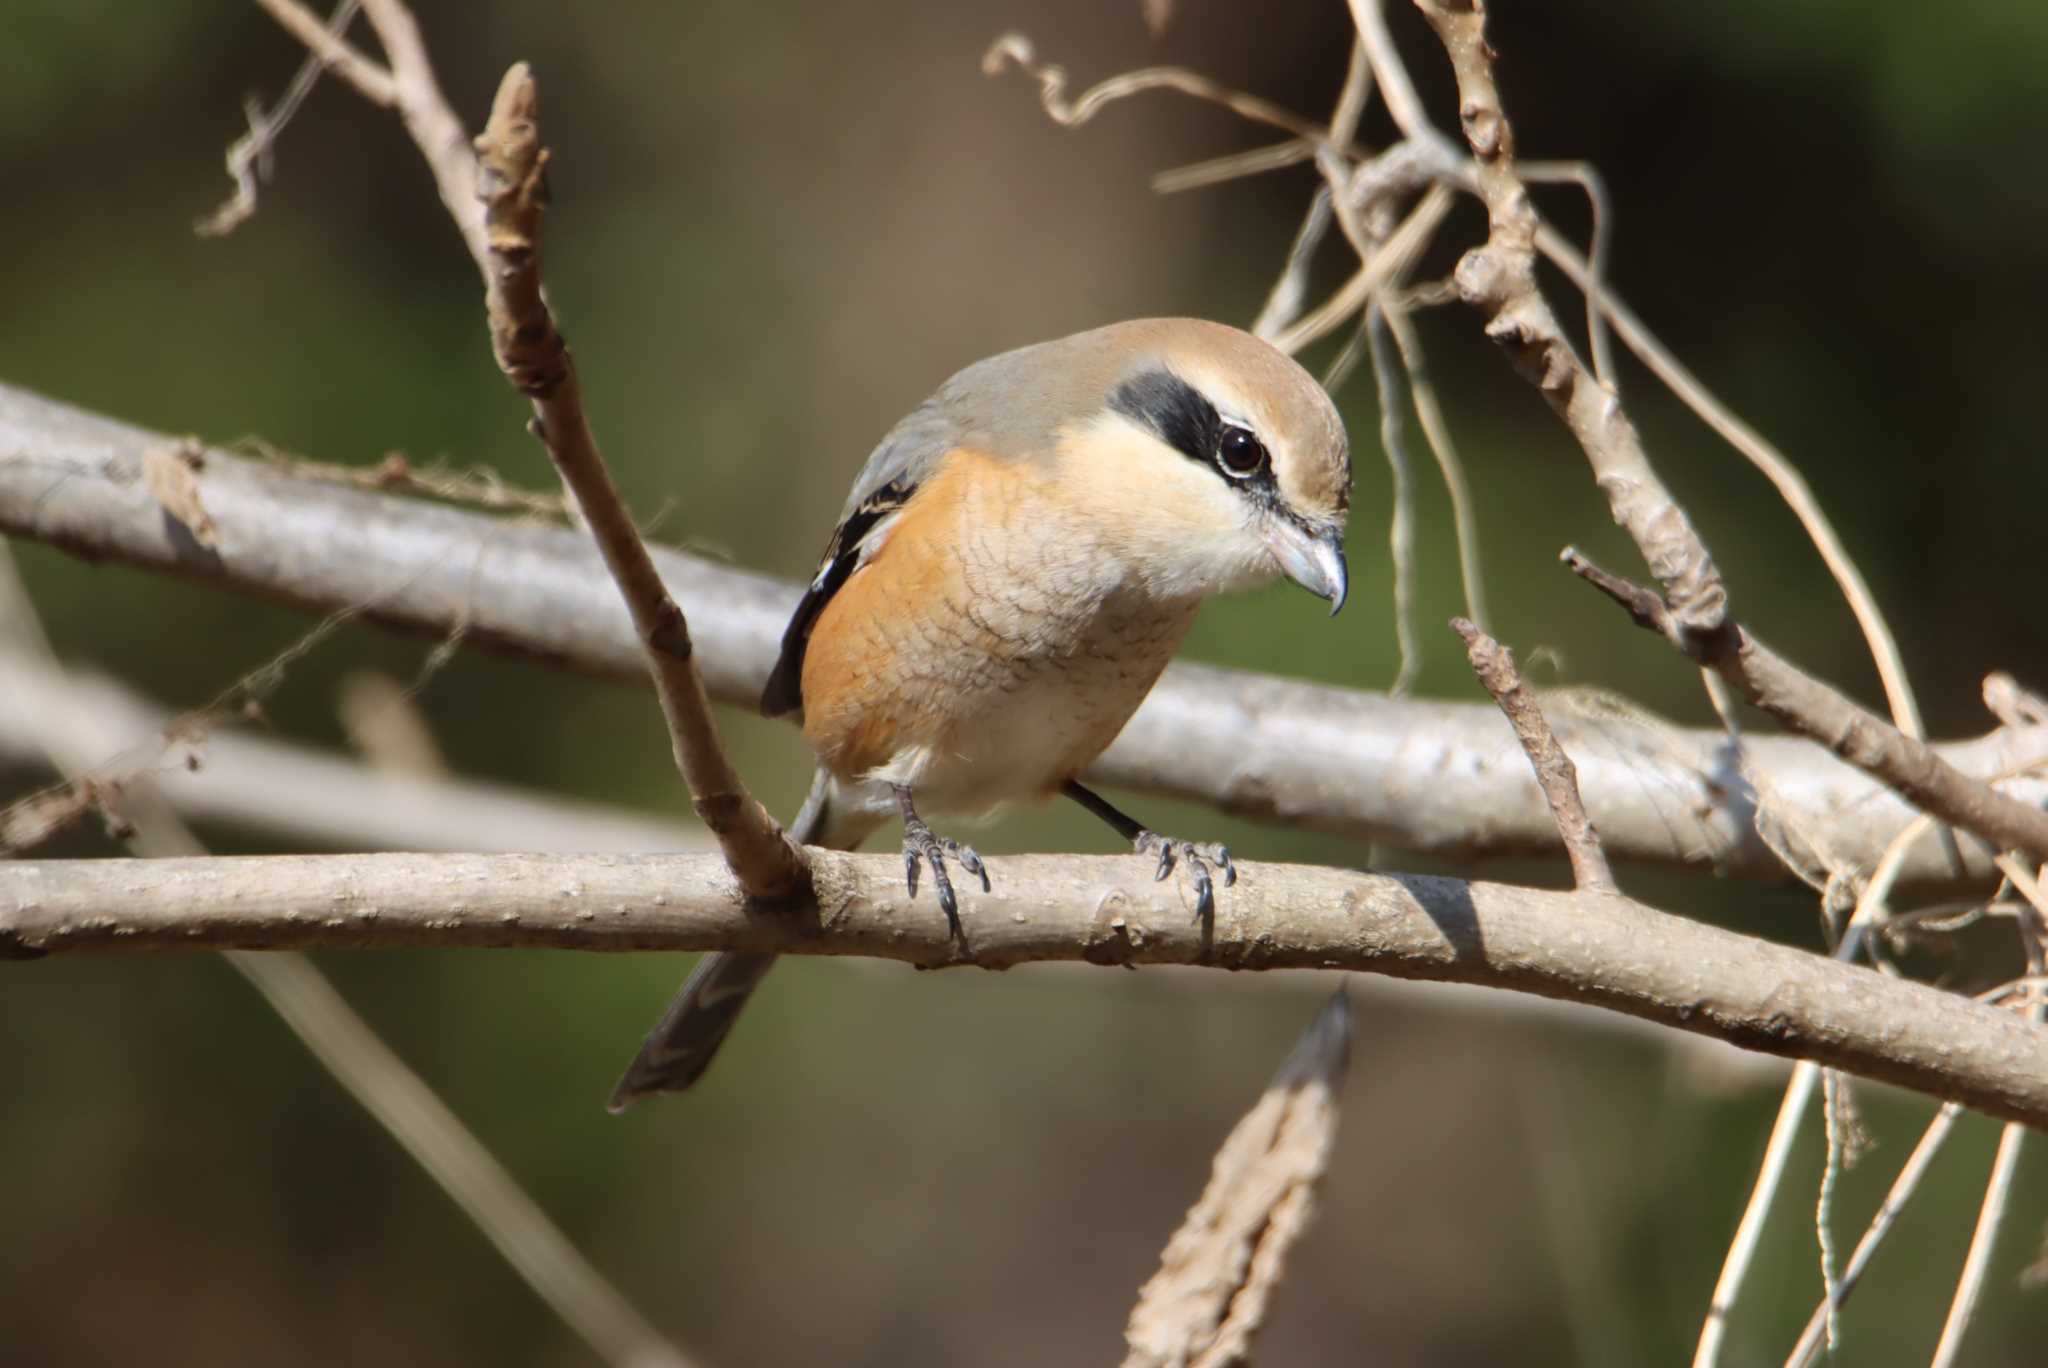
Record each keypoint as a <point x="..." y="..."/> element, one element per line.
<point x="921" y="847"/>
<point x="1198" y="858"/>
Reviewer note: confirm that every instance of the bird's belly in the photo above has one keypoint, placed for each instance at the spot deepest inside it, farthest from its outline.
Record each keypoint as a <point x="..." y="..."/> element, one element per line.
<point x="1000" y="704"/>
<point x="1035" y="722"/>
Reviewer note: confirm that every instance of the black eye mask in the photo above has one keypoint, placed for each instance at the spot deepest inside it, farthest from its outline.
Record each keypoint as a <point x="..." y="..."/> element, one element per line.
<point x="1182" y="417"/>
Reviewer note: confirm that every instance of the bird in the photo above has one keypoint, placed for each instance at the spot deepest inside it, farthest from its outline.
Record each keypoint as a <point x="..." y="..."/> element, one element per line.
<point x="1015" y="565"/>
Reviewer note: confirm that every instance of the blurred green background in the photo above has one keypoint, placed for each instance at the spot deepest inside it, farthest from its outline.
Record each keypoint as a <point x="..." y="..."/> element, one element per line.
<point x="776" y="228"/>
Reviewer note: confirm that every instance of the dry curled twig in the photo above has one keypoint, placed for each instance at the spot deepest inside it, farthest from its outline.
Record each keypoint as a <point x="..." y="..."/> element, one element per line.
<point x="249" y="157"/>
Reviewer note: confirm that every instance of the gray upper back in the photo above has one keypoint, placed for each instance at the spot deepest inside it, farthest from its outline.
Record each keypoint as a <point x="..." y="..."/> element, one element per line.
<point x="1012" y="405"/>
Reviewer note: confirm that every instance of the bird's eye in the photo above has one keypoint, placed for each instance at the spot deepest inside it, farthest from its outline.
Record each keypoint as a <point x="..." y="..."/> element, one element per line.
<point x="1240" y="453"/>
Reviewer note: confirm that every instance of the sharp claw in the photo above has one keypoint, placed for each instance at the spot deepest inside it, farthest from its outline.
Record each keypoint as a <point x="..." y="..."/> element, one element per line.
<point x="910" y="863"/>
<point x="947" y="902"/>
<point x="1165" y="861"/>
<point x="1205" y="891"/>
<point x="970" y="860"/>
<point x="1223" y="863"/>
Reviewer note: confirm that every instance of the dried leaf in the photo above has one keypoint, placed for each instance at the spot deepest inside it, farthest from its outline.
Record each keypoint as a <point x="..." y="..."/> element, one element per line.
<point x="28" y="822"/>
<point x="173" y="477"/>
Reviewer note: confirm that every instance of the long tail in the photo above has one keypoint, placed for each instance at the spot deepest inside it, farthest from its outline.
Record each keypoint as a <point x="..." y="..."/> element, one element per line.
<point x="682" y="1044"/>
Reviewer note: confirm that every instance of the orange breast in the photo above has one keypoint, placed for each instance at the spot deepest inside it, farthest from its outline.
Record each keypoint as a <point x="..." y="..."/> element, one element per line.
<point x="890" y="654"/>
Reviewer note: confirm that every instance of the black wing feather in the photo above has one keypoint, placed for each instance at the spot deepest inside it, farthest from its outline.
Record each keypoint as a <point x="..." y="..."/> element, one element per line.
<point x="784" y="691"/>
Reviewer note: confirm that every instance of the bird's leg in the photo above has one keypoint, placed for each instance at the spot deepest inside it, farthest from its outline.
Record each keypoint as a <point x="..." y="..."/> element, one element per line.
<point x="920" y="846"/>
<point x="1145" y="841"/>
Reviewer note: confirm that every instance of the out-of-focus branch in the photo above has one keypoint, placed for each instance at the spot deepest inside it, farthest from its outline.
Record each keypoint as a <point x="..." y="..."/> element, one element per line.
<point x="2027" y="879"/>
<point x="249" y="157"/>
<point x="434" y="128"/>
<point x="1555" y="774"/>
<point x="1814" y="1336"/>
<point x="336" y="54"/>
<point x="1602" y="950"/>
<point x="1201" y="1309"/>
<point x="1417" y="774"/>
<point x="312" y="797"/>
<point x="1799" y="1091"/>
<point x="75" y="737"/>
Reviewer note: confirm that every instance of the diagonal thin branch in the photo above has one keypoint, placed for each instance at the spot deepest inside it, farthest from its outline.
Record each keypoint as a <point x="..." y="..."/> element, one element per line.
<point x="1806" y="705"/>
<point x="1555" y="773"/>
<point x="497" y="195"/>
<point x="1393" y="258"/>
<point x="1283" y="303"/>
<point x="1799" y="1092"/>
<point x="434" y="128"/>
<point x="1499" y="280"/>
<point x="1759" y="452"/>
<point x="512" y="181"/>
<point x="1983" y="1241"/>
<point x="1998" y="1188"/>
<point x="472" y="1176"/>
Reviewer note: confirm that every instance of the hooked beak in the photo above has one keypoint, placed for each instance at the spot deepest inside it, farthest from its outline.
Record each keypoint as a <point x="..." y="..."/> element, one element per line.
<point x="1315" y="561"/>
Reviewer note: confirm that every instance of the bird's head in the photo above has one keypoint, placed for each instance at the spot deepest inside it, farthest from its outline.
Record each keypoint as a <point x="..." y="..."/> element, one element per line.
<point x="1218" y="460"/>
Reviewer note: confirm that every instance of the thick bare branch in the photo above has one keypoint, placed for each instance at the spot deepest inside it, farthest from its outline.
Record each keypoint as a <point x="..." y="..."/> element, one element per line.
<point x="1601" y="950"/>
<point x="1418" y="774"/>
